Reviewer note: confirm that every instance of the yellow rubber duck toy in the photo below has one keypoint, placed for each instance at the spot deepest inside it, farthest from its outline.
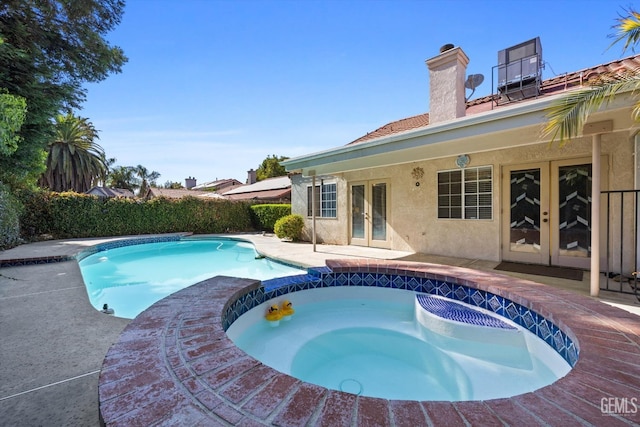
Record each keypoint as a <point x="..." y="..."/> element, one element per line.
<point x="273" y="315"/>
<point x="286" y="309"/>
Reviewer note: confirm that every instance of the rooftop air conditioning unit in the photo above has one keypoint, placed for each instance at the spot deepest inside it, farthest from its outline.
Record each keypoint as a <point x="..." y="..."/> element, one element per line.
<point x="520" y="70"/>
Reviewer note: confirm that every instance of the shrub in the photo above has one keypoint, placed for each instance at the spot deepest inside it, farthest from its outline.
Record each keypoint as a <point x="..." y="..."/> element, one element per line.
<point x="289" y="227"/>
<point x="265" y="216"/>
<point x="10" y="209"/>
<point x="75" y="215"/>
<point x="35" y="220"/>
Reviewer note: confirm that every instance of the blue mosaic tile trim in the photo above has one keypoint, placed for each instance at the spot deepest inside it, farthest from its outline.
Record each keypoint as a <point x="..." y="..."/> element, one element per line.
<point x="319" y="271"/>
<point x="450" y="310"/>
<point x="297" y="282"/>
<point x="125" y="242"/>
<point x="161" y="239"/>
<point x="35" y="261"/>
<point x="322" y="277"/>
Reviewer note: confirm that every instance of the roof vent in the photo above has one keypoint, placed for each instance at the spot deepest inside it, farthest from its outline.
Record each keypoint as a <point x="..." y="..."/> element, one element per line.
<point x="520" y="71"/>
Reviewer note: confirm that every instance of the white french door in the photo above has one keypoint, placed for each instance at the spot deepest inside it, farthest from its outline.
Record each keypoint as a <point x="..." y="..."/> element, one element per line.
<point x="526" y="213"/>
<point x="370" y="213"/>
<point x="547" y="213"/>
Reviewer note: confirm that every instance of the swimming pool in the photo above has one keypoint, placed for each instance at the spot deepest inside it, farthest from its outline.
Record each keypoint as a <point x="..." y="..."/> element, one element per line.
<point x="375" y="342"/>
<point x="130" y="276"/>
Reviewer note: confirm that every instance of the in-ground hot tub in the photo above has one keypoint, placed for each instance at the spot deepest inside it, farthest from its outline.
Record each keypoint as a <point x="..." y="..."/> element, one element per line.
<point x="398" y="344"/>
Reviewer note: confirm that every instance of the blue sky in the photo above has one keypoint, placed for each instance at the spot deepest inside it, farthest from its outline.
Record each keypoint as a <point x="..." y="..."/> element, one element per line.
<point x="214" y="87"/>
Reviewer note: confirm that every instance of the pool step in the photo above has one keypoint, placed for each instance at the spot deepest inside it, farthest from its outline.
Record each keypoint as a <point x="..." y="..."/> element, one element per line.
<point x="449" y="318"/>
<point x="451" y="310"/>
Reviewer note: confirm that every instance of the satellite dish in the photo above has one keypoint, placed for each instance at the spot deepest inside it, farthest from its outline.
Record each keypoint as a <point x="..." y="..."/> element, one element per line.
<point x="473" y="81"/>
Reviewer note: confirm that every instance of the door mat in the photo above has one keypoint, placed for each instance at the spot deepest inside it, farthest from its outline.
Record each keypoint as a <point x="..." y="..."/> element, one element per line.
<point x="541" y="270"/>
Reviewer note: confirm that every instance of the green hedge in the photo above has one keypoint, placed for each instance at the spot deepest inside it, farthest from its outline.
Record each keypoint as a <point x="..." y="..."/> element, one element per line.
<point x="72" y="215"/>
<point x="265" y="216"/>
<point x="10" y="209"/>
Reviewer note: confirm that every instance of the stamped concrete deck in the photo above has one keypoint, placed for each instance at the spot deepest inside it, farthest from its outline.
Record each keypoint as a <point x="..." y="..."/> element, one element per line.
<point x="174" y="365"/>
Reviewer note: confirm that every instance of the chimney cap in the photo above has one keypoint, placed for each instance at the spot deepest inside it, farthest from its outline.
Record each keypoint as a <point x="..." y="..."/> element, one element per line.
<point x="446" y="47"/>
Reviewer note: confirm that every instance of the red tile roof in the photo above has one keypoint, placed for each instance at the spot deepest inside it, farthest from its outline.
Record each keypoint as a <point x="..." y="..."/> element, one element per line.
<point x="549" y="87"/>
<point x="398" y="126"/>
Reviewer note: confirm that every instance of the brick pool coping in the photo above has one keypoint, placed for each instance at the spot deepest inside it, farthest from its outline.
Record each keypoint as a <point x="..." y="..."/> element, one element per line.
<point x="174" y="365"/>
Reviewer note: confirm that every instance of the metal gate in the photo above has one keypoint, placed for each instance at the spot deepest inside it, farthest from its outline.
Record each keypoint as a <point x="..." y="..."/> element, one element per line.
<point x="621" y="266"/>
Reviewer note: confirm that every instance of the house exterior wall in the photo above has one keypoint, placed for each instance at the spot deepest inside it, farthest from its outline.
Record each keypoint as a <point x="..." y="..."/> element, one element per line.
<point x="413" y="224"/>
<point x="328" y="230"/>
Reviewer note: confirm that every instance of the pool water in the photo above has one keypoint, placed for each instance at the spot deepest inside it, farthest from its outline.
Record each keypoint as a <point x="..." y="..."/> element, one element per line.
<point x="132" y="278"/>
<point x="368" y="341"/>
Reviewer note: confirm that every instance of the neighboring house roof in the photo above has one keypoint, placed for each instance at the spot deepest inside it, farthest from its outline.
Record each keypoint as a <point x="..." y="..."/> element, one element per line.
<point x="211" y="195"/>
<point x="219" y="184"/>
<point x="173" y="193"/>
<point x="268" y="189"/>
<point x="110" y="192"/>
<point x="549" y="87"/>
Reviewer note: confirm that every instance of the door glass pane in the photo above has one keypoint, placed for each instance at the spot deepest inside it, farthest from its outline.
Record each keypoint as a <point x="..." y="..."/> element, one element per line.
<point x="574" y="216"/>
<point x="525" y="211"/>
<point x="357" y="211"/>
<point x="379" y="214"/>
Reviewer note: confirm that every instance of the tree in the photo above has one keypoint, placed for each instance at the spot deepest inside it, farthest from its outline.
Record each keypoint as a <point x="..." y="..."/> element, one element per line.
<point x="146" y="178"/>
<point x="13" y="110"/>
<point x="74" y="160"/>
<point x="173" y="185"/>
<point x="271" y="167"/>
<point x="123" y="177"/>
<point x="567" y="116"/>
<point x="109" y="164"/>
<point x="48" y="50"/>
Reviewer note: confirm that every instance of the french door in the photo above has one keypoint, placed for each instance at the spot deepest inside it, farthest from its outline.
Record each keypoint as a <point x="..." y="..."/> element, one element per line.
<point x="547" y="213"/>
<point x="370" y="214"/>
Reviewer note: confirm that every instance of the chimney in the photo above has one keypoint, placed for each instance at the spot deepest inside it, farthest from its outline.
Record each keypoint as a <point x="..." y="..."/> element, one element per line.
<point x="189" y="182"/>
<point x="447" y="73"/>
<point x="251" y="178"/>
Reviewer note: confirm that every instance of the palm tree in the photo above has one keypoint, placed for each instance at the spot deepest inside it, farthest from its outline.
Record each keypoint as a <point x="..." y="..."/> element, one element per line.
<point x="123" y="177"/>
<point x="109" y="165"/>
<point x="74" y="159"/>
<point x="146" y="179"/>
<point x="566" y="117"/>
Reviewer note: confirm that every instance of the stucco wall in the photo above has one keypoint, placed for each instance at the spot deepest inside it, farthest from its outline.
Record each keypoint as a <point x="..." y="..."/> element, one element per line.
<point x="328" y="230"/>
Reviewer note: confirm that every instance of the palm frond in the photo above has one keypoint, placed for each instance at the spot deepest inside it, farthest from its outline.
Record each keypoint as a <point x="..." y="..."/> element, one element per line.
<point x="627" y="29"/>
<point x="567" y="116"/>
